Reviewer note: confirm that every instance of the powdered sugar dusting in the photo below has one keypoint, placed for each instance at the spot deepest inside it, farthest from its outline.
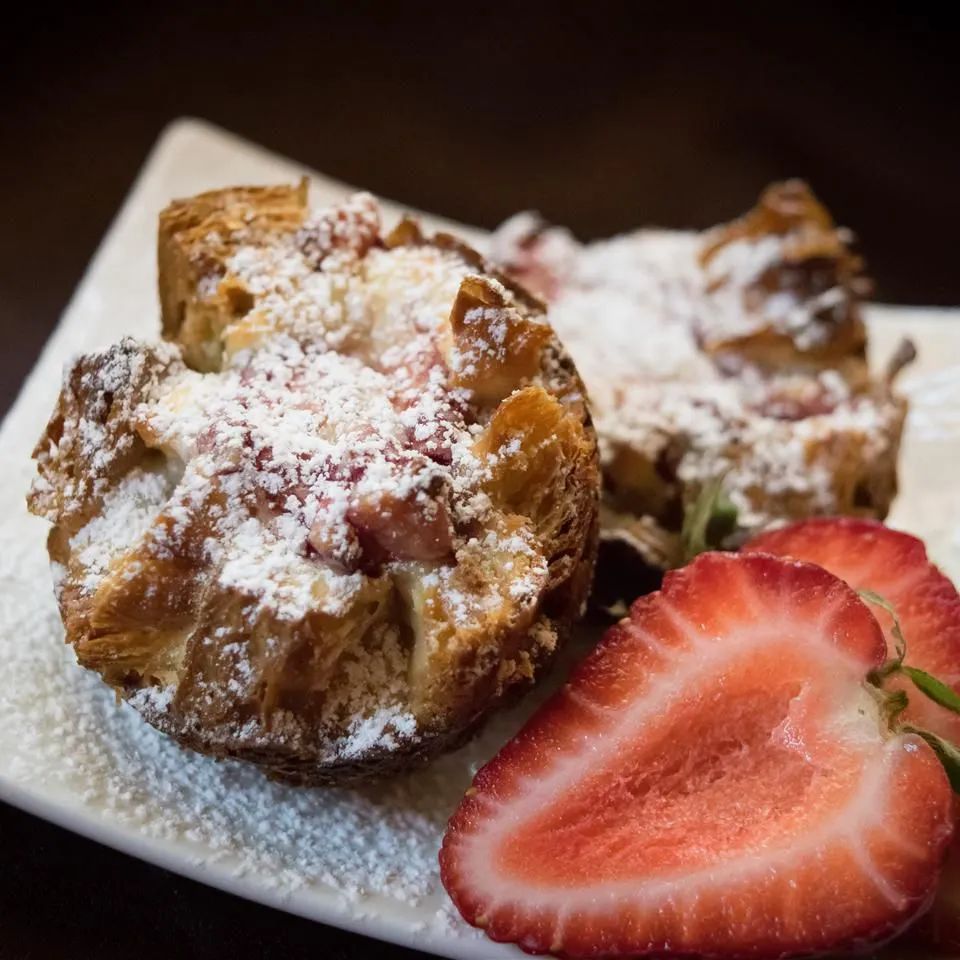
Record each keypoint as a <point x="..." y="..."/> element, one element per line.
<point x="750" y="281"/>
<point x="305" y="443"/>
<point x="128" y="512"/>
<point x="387" y="727"/>
<point x="635" y="310"/>
<point x="259" y="537"/>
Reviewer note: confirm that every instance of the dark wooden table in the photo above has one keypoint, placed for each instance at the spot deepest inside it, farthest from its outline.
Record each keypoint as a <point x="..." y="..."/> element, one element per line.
<point x="602" y="121"/>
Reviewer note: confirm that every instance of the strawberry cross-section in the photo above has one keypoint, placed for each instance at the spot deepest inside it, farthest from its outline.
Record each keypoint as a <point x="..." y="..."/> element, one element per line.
<point x="715" y="779"/>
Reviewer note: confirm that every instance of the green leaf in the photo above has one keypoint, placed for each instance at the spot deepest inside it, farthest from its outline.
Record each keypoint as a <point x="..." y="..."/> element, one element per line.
<point x="708" y="520"/>
<point x="935" y="689"/>
<point x="899" y="640"/>
<point x="947" y="753"/>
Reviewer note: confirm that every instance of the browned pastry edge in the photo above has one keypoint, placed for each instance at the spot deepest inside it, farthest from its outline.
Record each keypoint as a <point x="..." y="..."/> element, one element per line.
<point x="304" y="770"/>
<point x="191" y="240"/>
<point x="816" y="255"/>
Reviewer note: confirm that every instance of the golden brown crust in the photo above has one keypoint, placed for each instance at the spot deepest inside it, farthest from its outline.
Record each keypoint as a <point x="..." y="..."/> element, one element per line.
<point x="813" y="258"/>
<point x="449" y="581"/>
<point x="195" y="238"/>
<point x="496" y="346"/>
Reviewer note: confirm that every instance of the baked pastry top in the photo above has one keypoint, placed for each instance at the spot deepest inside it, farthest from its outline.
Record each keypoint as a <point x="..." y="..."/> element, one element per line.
<point x="737" y="353"/>
<point x="347" y="507"/>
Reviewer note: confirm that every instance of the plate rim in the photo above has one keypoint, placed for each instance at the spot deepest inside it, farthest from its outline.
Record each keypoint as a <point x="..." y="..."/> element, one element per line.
<point x="376" y="916"/>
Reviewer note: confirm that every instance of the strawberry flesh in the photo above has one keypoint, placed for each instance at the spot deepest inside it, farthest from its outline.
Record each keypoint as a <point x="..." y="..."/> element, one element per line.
<point x="714" y="780"/>
<point x="870" y="556"/>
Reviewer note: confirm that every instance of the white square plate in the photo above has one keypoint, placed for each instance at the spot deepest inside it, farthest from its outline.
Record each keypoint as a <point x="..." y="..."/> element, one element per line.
<point x="360" y="859"/>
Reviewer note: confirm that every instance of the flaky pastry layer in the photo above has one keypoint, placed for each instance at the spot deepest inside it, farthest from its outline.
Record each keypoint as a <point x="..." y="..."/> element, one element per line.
<point x="342" y="511"/>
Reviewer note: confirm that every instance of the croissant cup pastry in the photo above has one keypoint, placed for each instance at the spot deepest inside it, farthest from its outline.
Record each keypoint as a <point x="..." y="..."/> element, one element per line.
<point x="737" y="354"/>
<point x="344" y="509"/>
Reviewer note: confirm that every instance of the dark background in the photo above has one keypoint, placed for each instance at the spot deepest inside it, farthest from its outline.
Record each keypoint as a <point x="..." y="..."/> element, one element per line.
<point x="602" y="120"/>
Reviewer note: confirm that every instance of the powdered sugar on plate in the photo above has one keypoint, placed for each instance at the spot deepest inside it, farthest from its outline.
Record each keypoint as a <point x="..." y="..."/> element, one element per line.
<point x="71" y="736"/>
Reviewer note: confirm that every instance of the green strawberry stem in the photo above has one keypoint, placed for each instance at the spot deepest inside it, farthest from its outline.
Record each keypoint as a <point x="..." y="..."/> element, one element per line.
<point x="707" y="520"/>
<point x="893" y="703"/>
<point x="895" y="663"/>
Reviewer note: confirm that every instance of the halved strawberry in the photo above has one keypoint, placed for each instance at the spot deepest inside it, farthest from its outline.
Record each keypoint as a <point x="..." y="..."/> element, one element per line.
<point x="715" y="779"/>
<point x="868" y="555"/>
